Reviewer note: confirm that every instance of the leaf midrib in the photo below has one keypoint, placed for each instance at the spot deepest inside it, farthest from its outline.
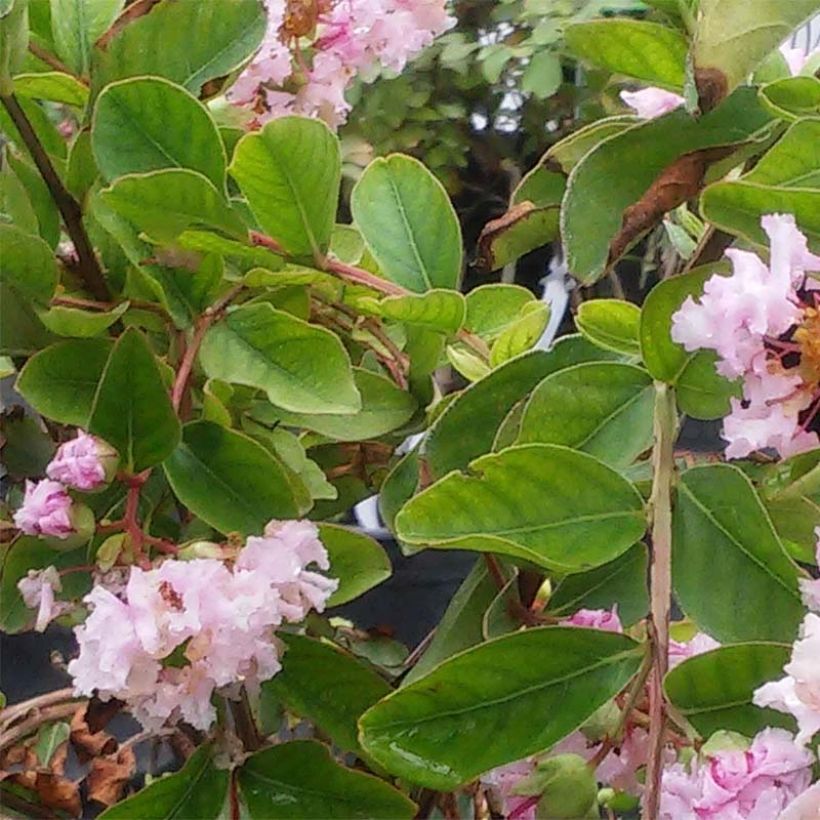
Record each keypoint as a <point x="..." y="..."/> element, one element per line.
<point x="408" y="228"/>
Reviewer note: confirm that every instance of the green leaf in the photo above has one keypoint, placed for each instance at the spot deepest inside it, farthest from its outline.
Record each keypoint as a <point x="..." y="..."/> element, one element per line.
<point x="48" y="216"/>
<point x="733" y="36"/>
<point x="522" y="334"/>
<point x="713" y="691"/>
<point x="82" y="324"/>
<point x="785" y="180"/>
<point x="198" y="790"/>
<point x="148" y="124"/>
<point x="543" y="75"/>
<point x="53" y="86"/>
<point x="34" y="553"/>
<point x="358" y="561"/>
<point x="467" y="427"/>
<point x="568" y="152"/>
<point x="61" y="381"/>
<point x="492" y="308"/>
<point x="467" y="362"/>
<point x="440" y="733"/>
<point x="792" y="97"/>
<point x="438" y="309"/>
<point x="82" y="172"/>
<point x="384" y="408"/>
<point x="14" y="35"/>
<point x="602" y="408"/>
<point x="619" y="171"/>
<point x="76" y="24"/>
<point x="556" y="507"/>
<point x="28" y="265"/>
<point x="303" y="368"/>
<point x="611" y="324"/>
<point x="290" y="173"/>
<point x="408" y="223"/>
<point x="166" y="203"/>
<point x="208" y="242"/>
<point x="210" y="472"/>
<point x="460" y="626"/>
<point x="701" y="392"/>
<point x="621" y="582"/>
<point x="301" y="781"/>
<point x="46" y="131"/>
<point x="327" y="686"/>
<point x="647" y="51"/>
<point x="187" y="43"/>
<point x="27" y="447"/>
<point x="49" y="739"/>
<point x="132" y="410"/>
<point x="718" y="513"/>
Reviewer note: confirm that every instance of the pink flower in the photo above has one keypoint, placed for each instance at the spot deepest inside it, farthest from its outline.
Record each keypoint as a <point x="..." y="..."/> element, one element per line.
<point x="46" y="510"/>
<point x="81" y="463"/>
<point x="757" y="783"/>
<point x="37" y="589"/>
<point x="805" y="806"/>
<point x="798" y="693"/>
<point x="652" y="102"/>
<point x="679" y="652"/>
<point x="604" y="619"/>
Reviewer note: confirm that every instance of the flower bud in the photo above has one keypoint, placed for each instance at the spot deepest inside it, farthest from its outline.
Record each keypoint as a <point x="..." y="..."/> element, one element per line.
<point x="604" y="722"/>
<point x="567" y="787"/>
<point x="82" y="528"/>
<point x="84" y="463"/>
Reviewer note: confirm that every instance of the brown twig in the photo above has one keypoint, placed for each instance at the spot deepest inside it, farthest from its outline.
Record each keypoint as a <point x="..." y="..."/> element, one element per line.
<point x="89" y="268"/>
<point x="49" y="59"/>
<point x="27" y="727"/>
<point x="18" y="710"/>
<point x="244" y="724"/>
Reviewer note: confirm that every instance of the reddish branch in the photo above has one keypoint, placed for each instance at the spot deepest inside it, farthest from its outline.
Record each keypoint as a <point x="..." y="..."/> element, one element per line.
<point x="89" y="268"/>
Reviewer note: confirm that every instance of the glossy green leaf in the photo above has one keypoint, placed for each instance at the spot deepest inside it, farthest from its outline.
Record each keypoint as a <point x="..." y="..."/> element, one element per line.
<point x="132" y="409"/>
<point x="440" y="733"/>
<point x="384" y="407"/>
<point x="733" y="36"/>
<point x="701" y="392"/>
<point x="602" y="408"/>
<point x="621" y="582"/>
<point x="28" y="265"/>
<point x="792" y="97"/>
<point x="467" y="427"/>
<point x="301" y="781"/>
<point x="76" y="24"/>
<point x="519" y="336"/>
<point x="166" y="203"/>
<point x="408" y="223"/>
<point x="358" y="561"/>
<point x="718" y="513"/>
<point x="53" y="86"/>
<point x="209" y="472"/>
<point x="713" y="691"/>
<point x="437" y="309"/>
<point x="148" y="124"/>
<point x="543" y="75"/>
<point x="34" y="553"/>
<point x="491" y="308"/>
<point x="568" y="152"/>
<point x="610" y="323"/>
<point x="61" y="381"/>
<point x="647" y="51"/>
<point x="302" y="367"/>
<point x="327" y="686"/>
<point x="460" y="626"/>
<point x="785" y="180"/>
<point x="467" y="362"/>
<point x="290" y="173"/>
<point x="615" y="175"/>
<point x="82" y="324"/>
<point x="187" y="43"/>
<point x="198" y="790"/>
<point x="556" y="507"/>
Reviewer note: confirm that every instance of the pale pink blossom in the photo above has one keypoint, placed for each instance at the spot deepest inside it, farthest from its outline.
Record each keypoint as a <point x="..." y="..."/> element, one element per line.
<point x="680" y="651"/>
<point x="752" y="784"/>
<point x="37" y="589"/>
<point x="798" y="693"/>
<point x="82" y="462"/>
<point x="46" y="510"/>
<point x="805" y="806"/>
<point x="604" y="619"/>
<point x="649" y="103"/>
<point x="810" y="587"/>
<point x="796" y="58"/>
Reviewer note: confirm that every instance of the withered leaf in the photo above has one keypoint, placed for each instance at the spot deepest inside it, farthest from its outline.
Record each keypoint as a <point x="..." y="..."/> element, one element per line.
<point x="133" y="11"/>
<point x="108" y="777"/>
<point x="513" y="234"/>
<point x="86" y="742"/>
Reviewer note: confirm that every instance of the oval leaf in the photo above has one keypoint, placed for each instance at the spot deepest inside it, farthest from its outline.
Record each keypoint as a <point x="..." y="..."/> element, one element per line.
<point x="408" y="223"/>
<point x="358" y="561"/>
<point x="611" y="324"/>
<point x="440" y="733"/>
<point x="556" y="507"/>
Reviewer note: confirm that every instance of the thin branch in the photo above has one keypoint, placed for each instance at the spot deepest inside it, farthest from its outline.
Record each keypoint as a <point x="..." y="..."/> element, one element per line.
<point x="244" y="724"/>
<point x="90" y="304"/>
<point x="49" y="59"/>
<point x="27" y="727"/>
<point x="660" y="584"/>
<point x="89" y="267"/>
<point x="18" y="710"/>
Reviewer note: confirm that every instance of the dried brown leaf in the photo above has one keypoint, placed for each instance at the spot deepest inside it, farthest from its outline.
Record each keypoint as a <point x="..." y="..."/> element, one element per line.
<point x="87" y="736"/>
<point x="109" y="776"/>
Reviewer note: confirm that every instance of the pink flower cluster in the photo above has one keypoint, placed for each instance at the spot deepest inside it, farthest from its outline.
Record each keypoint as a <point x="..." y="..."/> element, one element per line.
<point x="177" y="633"/>
<point x="798" y="693"/>
<point x="763" y="323"/>
<point x="82" y="464"/>
<point x="347" y="38"/>
<point x="738" y="784"/>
